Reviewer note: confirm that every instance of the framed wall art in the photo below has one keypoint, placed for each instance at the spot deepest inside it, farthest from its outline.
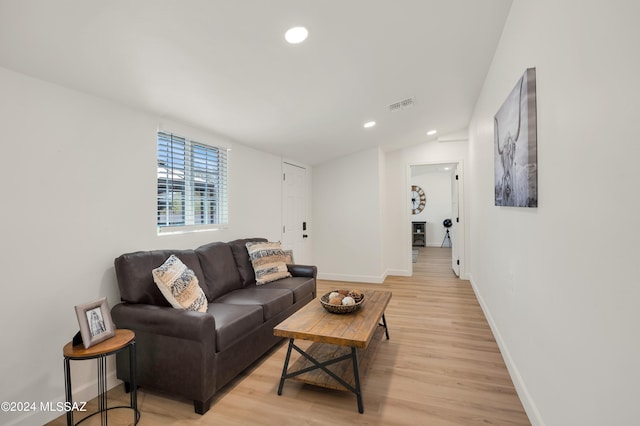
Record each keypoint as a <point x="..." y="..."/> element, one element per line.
<point x="94" y="319"/>
<point x="516" y="146"/>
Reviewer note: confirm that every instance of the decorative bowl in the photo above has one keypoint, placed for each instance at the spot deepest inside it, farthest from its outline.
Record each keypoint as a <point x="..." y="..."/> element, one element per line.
<point x="340" y="309"/>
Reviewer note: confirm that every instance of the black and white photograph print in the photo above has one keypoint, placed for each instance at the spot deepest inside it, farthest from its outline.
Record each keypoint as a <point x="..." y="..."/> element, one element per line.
<point x="96" y="323"/>
<point x="94" y="319"/>
<point x="516" y="145"/>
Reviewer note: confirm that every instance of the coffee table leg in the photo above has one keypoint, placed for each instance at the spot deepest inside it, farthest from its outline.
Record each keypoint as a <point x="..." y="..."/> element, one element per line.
<point x="286" y="367"/>
<point x="356" y="375"/>
<point x="384" y="323"/>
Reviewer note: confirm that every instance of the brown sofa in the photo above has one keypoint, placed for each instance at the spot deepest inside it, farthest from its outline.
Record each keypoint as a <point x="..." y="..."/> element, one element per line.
<point x="193" y="354"/>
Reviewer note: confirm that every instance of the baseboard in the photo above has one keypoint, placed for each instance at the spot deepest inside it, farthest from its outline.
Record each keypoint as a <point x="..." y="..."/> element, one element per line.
<point x="521" y="388"/>
<point x="437" y="244"/>
<point x="81" y="393"/>
<point x="352" y="278"/>
<point x="88" y="391"/>
<point x="398" y="273"/>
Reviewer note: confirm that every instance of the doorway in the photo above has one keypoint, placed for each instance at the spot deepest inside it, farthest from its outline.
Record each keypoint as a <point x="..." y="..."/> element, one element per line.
<point x="441" y="214"/>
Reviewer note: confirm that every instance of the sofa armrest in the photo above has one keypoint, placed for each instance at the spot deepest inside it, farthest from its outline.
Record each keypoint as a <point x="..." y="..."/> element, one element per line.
<point x="302" y="270"/>
<point x="175" y="350"/>
<point x="160" y="320"/>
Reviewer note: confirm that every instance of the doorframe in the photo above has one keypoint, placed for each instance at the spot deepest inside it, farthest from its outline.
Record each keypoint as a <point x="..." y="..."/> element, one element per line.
<point x="462" y="225"/>
<point x="307" y="254"/>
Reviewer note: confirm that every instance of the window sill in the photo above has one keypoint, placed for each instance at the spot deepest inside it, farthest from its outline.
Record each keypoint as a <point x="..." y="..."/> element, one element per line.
<point x="177" y="230"/>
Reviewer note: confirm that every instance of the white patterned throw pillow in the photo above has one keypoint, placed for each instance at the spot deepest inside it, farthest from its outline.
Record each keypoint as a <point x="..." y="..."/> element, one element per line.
<point x="179" y="285"/>
<point x="268" y="260"/>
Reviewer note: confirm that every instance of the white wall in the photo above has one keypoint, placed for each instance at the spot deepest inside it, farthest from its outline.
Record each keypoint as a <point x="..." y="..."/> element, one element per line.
<point x="559" y="283"/>
<point x="79" y="188"/>
<point x="437" y="187"/>
<point x="347" y="236"/>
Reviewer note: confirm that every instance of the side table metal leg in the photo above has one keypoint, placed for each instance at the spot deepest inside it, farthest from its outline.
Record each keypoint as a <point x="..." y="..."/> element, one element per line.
<point x="102" y="389"/>
<point x="67" y="390"/>
<point x="132" y="381"/>
<point x="356" y="375"/>
<point x="286" y="367"/>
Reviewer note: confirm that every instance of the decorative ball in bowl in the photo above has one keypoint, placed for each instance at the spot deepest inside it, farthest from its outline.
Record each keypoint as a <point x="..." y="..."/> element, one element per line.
<point x="342" y="301"/>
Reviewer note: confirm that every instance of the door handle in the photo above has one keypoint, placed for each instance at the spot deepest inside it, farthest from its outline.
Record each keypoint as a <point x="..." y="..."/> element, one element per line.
<point x="305" y="236"/>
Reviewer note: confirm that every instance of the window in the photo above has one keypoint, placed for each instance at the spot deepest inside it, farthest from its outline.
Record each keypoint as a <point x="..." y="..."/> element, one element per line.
<point x="192" y="184"/>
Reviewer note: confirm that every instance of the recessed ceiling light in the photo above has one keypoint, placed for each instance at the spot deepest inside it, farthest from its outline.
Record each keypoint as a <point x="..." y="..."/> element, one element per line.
<point x="296" y="35"/>
<point x="432" y="132"/>
<point x="369" y="124"/>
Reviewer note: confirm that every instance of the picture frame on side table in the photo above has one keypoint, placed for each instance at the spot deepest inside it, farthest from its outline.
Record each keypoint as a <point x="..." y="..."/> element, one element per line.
<point x="94" y="319"/>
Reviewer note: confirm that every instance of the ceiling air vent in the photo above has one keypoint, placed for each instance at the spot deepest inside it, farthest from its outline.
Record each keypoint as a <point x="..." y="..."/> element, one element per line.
<point x="405" y="103"/>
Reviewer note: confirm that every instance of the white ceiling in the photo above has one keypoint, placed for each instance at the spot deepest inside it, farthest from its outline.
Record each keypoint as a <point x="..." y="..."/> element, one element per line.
<point x="224" y="65"/>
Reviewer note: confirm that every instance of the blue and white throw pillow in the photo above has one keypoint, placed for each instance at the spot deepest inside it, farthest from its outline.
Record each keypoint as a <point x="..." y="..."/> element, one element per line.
<point x="268" y="260"/>
<point x="179" y="285"/>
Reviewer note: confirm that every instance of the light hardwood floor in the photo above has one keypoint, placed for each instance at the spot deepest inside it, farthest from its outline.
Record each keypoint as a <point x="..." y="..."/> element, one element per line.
<point x="441" y="366"/>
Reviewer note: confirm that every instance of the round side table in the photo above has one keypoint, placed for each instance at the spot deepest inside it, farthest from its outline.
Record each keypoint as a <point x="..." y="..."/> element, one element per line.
<point x="124" y="339"/>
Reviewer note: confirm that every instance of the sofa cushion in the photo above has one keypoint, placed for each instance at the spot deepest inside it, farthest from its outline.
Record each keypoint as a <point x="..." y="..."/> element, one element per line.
<point x="135" y="279"/>
<point x="268" y="260"/>
<point x="219" y="269"/>
<point x="272" y="300"/>
<point x="179" y="285"/>
<point x="301" y="287"/>
<point x="234" y="322"/>
<point x="243" y="262"/>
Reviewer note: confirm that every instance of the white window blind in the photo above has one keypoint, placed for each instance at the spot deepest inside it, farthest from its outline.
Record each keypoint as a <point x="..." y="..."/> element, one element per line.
<point x="192" y="184"/>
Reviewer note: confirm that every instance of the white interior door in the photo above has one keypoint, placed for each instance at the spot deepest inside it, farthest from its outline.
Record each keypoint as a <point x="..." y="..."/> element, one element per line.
<point x="294" y="222"/>
<point x="455" y="220"/>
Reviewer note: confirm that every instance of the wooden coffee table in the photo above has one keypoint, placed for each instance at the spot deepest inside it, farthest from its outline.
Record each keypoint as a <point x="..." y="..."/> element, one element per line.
<point x="337" y="337"/>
